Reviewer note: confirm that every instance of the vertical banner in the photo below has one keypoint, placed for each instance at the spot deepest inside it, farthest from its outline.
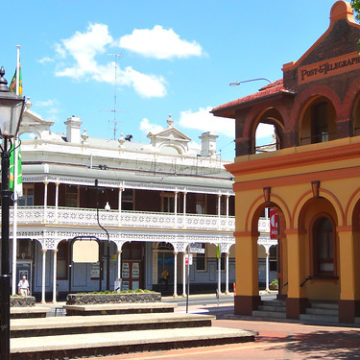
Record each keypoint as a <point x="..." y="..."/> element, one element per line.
<point x="274" y="224"/>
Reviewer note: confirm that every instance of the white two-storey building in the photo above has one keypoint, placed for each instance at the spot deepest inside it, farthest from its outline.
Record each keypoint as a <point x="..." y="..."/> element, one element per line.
<point x="154" y="199"/>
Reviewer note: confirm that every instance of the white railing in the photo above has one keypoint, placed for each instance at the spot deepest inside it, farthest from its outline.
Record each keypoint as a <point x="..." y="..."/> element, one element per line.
<point x="137" y="219"/>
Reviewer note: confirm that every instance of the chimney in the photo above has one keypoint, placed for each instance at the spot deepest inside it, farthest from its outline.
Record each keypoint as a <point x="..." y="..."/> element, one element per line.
<point x="208" y="144"/>
<point x="73" y="124"/>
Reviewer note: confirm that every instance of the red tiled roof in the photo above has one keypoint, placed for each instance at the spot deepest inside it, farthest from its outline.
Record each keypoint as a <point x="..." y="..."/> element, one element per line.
<point x="275" y="87"/>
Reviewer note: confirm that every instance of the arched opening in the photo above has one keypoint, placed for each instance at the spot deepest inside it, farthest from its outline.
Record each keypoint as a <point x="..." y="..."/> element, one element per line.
<point x="163" y="274"/>
<point x="319" y="250"/>
<point x="271" y="250"/>
<point x="356" y="116"/>
<point x="318" y="122"/>
<point x="323" y="245"/>
<point x="267" y="135"/>
<point x="132" y="265"/>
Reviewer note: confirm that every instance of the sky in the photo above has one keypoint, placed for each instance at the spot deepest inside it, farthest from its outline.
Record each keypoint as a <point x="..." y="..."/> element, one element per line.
<point x="168" y="57"/>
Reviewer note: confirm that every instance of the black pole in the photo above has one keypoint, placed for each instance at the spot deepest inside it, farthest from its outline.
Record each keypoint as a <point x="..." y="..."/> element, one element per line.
<point x="188" y="281"/>
<point x="70" y="263"/>
<point x="108" y="243"/>
<point x="5" y="261"/>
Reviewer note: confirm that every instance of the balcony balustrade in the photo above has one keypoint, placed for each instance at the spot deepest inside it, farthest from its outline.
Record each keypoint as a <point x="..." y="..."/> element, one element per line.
<point x="65" y="216"/>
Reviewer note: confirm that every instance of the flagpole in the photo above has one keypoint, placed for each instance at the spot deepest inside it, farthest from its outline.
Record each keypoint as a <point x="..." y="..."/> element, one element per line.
<point x="14" y="243"/>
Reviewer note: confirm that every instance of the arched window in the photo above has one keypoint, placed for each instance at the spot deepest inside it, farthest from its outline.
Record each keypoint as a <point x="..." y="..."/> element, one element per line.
<point x="324" y="247"/>
<point x="319" y="122"/>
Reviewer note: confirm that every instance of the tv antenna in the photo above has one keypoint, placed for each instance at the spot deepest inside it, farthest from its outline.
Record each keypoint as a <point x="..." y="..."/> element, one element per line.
<point x="113" y="110"/>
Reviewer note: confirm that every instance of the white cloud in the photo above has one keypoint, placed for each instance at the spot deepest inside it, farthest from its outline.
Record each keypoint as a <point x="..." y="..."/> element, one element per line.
<point x="45" y="103"/>
<point x="49" y="107"/>
<point x="264" y="131"/>
<point x="84" y="47"/>
<point x="45" y="60"/>
<point x="145" y="85"/>
<point x="159" y="43"/>
<point x="147" y="127"/>
<point x="60" y="51"/>
<point x="203" y="120"/>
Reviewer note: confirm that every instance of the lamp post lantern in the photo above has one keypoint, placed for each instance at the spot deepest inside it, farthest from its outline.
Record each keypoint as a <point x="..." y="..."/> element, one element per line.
<point x="11" y="110"/>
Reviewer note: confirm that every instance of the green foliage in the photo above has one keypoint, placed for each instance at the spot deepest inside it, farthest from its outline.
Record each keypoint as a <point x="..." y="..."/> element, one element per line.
<point x="274" y="284"/>
<point x="106" y="292"/>
<point x="356" y="6"/>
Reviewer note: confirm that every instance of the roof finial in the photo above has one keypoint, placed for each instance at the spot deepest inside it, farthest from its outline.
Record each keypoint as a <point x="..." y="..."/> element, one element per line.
<point x="170" y="121"/>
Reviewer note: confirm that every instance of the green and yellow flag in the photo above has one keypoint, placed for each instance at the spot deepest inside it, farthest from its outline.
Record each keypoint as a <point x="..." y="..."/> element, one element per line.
<point x="12" y="86"/>
<point x="18" y="186"/>
<point x="218" y="254"/>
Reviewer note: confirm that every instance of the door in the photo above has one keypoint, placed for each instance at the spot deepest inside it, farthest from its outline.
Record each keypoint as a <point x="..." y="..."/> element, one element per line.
<point x="131" y="275"/>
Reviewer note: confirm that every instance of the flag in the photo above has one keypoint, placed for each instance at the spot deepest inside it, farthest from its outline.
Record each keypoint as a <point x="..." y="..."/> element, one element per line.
<point x="218" y="251"/>
<point x="18" y="186"/>
<point x="12" y="86"/>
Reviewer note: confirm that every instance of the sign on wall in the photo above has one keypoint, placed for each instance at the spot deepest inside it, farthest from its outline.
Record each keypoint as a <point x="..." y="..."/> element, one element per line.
<point x="330" y="67"/>
<point x="274" y="224"/>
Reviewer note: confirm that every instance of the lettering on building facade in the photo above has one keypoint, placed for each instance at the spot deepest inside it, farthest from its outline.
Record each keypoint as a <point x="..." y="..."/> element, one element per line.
<point x="331" y="67"/>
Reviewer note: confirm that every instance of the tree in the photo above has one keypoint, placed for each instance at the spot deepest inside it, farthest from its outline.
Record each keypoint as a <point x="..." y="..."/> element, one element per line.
<point x="356" y="6"/>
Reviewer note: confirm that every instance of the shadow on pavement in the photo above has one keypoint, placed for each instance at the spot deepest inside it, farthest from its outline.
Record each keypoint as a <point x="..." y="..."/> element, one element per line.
<point x="339" y="345"/>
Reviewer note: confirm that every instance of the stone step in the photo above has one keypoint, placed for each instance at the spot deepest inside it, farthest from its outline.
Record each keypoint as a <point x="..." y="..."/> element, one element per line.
<point x="272" y="308"/>
<point x="279" y="303"/>
<point x="322" y="311"/>
<point x="118" y="308"/>
<point x="105" y="323"/>
<point x="18" y="312"/>
<point x="80" y="345"/>
<point x="324" y="305"/>
<point x="269" y="314"/>
<point x="326" y="319"/>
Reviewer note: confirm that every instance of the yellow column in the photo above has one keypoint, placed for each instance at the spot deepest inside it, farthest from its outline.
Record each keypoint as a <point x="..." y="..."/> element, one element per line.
<point x="296" y="301"/>
<point x="246" y="274"/>
<point x="348" y="272"/>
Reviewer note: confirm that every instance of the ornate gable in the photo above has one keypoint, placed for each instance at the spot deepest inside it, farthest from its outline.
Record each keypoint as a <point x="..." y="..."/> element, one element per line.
<point x="171" y="138"/>
<point x="34" y="124"/>
<point x="334" y="53"/>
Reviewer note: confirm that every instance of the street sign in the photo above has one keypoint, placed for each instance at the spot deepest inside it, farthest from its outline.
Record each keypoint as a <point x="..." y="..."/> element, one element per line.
<point x="196" y="248"/>
<point x="188" y="259"/>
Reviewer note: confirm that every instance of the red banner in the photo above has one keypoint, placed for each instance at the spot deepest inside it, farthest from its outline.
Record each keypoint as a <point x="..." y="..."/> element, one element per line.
<point x="274" y="224"/>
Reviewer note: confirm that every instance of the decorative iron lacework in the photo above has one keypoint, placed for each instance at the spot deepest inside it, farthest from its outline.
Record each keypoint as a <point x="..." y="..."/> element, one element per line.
<point x="126" y="184"/>
<point x="136" y="219"/>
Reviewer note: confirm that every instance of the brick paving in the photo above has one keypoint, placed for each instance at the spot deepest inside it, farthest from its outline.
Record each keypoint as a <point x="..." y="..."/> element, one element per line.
<point x="276" y="340"/>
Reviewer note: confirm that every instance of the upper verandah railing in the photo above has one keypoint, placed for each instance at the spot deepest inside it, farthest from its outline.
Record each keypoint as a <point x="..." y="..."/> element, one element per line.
<point x="27" y="215"/>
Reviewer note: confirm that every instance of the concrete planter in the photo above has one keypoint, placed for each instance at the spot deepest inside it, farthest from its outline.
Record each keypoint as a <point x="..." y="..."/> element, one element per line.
<point x="83" y="299"/>
<point x="22" y="301"/>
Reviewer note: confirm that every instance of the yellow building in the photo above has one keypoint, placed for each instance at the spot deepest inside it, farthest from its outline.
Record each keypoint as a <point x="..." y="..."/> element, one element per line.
<point x="312" y="178"/>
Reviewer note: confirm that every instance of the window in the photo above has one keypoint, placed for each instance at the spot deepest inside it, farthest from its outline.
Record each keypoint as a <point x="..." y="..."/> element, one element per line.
<point x="72" y="196"/>
<point x="319" y="123"/>
<point x="127" y="199"/>
<point x="200" y="206"/>
<point x="167" y="202"/>
<point x="62" y="261"/>
<point x="24" y="249"/>
<point x="28" y="196"/>
<point x="273" y="258"/>
<point x="201" y="260"/>
<point x="323" y="246"/>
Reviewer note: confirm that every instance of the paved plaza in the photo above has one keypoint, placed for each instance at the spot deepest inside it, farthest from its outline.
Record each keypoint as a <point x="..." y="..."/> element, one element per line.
<point x="276" y="340"/>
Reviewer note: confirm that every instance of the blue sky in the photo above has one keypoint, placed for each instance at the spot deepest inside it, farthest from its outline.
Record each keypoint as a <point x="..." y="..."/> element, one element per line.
<point x="176" y="57"/>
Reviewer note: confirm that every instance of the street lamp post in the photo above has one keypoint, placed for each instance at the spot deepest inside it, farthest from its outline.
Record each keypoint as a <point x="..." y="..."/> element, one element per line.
<point x="107" y="208"/>
<point x="11" y="110"/>
<point x="237" y="83"/>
